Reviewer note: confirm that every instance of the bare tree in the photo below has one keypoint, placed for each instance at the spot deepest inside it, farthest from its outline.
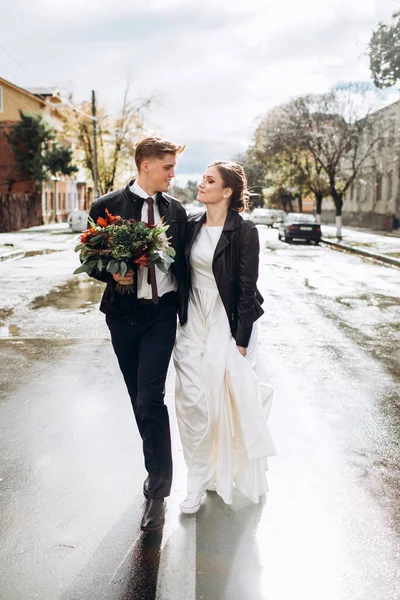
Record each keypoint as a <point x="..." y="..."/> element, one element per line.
<point x="325" y="140"/>
<point x="116" y="138"/>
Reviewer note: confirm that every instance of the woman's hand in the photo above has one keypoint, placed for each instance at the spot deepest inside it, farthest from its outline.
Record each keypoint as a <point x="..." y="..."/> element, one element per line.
<point x="242" y="350"/>
<point x="127" y="279"/>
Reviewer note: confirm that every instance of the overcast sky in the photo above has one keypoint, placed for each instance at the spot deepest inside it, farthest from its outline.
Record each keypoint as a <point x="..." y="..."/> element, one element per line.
<point x="215" y="65"/>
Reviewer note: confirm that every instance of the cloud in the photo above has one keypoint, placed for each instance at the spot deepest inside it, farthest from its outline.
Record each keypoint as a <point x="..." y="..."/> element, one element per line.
<point x="215" y="66"/>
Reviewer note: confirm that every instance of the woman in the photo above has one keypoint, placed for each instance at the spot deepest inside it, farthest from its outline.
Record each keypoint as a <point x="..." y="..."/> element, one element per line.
<point x="222" y="402"/>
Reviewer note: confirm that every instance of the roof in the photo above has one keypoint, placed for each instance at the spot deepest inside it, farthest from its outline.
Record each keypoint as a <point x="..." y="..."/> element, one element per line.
<point x="24" y="91"/>
<point x="42" y="91"/>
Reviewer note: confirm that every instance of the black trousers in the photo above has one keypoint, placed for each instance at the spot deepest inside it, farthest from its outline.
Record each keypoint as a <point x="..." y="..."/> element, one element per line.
<point x="144" y="351"/>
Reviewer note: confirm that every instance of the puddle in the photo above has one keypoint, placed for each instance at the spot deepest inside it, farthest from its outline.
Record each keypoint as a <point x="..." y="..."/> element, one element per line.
<point x="308" y="285"/>
<point x="76" y="294"/>
<point x="4" y="314"/>
<point x="30" y="253"/>
<point x="378" y="300"/>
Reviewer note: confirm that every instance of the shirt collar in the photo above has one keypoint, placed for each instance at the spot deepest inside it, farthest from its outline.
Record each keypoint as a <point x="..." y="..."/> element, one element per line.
<point x="136" y="189"/>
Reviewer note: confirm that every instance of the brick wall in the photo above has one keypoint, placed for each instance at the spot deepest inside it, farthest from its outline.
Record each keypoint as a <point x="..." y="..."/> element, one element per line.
<point x="18" y="211"/>
<point x="11" y="180"/>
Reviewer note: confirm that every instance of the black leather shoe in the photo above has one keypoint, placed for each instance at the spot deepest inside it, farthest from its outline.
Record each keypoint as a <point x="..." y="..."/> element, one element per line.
<point x="146" y="487"/>
<point x="154" y="515"/>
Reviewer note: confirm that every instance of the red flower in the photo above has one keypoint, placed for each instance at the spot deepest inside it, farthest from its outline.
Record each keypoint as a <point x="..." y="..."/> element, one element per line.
<point x="102" y="222"/>
<point x="86" y="235"/>
<point x="112" y="219"/>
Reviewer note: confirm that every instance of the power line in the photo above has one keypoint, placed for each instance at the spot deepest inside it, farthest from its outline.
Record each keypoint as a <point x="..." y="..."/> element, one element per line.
<point x="51" y="91"/>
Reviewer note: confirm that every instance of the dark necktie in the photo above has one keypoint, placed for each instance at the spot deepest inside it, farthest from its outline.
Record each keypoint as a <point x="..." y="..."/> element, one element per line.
<point x="152" y="270"/>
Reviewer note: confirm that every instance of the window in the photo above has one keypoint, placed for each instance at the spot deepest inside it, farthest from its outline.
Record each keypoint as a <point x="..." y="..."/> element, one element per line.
<point x="1" y="99"/>
<point x="58" y="201"/>
<point x="378" y="187"/>
<point x="362" y="191"/>
<point x="392" y="133"/>
<point x="389" y="186"/>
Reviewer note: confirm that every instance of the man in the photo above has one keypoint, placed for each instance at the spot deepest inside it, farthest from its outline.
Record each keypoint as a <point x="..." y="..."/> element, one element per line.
<point x="143" y="324"/>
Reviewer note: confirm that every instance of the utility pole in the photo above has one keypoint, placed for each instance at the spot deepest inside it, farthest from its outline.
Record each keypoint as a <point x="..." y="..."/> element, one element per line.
<point x="95" y="181"/>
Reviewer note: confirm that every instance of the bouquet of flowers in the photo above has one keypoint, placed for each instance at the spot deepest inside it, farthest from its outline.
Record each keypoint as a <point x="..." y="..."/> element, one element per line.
<point x="116" y="245"/>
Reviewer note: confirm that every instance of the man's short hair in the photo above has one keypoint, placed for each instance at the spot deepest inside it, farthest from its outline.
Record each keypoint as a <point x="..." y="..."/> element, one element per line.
<point x="155" y="147"/>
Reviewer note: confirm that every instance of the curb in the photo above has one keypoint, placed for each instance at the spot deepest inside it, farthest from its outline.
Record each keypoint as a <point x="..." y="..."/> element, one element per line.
<point x="381" y="257"/>
<point x="12" y="255"/>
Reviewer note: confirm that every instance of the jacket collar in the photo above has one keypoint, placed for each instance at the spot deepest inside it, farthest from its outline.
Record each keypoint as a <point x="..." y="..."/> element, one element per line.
<point x="162" y="199"/>
<point x="232" y="219"/>
<point x="232" y="222"/>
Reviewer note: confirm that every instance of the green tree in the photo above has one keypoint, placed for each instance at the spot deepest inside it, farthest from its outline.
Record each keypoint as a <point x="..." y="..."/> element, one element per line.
<point x="193" y="189"/>
<point x="384" y="53"/>
<point x="255" y="173"/>
<point x="36" y="150"/>
<point x="185" y="194"/>
<point x="293" y="169"/>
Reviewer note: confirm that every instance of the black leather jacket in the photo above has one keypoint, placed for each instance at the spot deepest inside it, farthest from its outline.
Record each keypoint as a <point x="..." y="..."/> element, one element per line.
<point x="128" y="205"/>
<point x="235" y="268"/>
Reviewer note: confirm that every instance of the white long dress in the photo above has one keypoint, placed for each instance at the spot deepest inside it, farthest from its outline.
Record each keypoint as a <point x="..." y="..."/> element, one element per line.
<point x="222" y="398"/>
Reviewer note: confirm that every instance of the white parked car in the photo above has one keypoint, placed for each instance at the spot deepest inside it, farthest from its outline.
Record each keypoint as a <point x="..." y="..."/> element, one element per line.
<point x="262" y="216"/>
<point x="279" y="216"/>
<point x="77" y="220"/>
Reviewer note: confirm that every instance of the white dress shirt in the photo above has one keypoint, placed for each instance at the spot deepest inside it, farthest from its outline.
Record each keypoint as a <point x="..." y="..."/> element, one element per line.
<point x="166" y="282"/>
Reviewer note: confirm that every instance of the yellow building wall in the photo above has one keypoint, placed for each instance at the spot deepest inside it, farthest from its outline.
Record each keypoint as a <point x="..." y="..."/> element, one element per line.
<point x="14" y="100"/>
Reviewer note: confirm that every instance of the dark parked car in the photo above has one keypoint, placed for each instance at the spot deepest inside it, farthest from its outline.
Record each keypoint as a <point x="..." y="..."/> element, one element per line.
<point x="300" y="226"/>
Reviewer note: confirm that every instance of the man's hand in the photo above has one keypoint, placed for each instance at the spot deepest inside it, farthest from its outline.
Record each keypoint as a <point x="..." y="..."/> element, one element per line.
<point x="127" y="279"/>
<point x="242" y="350"/>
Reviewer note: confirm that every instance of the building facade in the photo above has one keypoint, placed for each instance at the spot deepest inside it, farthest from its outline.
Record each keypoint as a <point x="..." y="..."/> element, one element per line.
<point x="60" y="195"/>
<point x="373" y="199"/>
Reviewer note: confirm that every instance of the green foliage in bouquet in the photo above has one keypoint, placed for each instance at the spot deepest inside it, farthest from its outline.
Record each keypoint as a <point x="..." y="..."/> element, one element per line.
<point x="116" y="245"/>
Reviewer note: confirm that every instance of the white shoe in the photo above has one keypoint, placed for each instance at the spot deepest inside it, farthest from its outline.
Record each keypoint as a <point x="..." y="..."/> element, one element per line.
<point x="192" y="503"/>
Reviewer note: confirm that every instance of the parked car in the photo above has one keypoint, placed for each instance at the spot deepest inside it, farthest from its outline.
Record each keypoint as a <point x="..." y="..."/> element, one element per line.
<point x="279" y="216"/>
<point x="77" y="220"/>
<point x="262" y="216"/>
<point x="300" y="226"/>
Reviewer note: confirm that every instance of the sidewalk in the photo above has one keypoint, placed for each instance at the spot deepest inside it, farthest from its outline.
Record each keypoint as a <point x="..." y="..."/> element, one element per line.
<point x="36" y="240"/>
<point x="379" y="246"/>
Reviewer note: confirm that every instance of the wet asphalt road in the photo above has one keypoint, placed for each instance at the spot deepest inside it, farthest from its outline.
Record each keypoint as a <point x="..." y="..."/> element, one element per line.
<point x="71" y="467"/>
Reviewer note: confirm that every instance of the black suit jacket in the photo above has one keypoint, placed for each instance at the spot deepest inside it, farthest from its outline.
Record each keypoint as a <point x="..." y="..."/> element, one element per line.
<point x="128" y="205"/>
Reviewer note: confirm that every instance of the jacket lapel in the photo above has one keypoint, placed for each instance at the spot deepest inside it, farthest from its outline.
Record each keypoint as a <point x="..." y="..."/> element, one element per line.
<point x="231" y="223"/>
<point x="223" y="242"/>
<point x="163" y="206"/>
<point x="194" y="227"/>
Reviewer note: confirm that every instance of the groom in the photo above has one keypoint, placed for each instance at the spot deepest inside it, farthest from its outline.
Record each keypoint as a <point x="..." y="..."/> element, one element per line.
<point x="143" y="324"/>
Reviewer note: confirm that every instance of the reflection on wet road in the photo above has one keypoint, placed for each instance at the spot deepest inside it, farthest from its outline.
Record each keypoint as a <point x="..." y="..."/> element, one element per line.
<point x="71" y="462"/>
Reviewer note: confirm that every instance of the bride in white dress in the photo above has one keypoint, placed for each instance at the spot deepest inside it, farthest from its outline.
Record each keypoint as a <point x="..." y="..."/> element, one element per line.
<point x="222" y="398"/>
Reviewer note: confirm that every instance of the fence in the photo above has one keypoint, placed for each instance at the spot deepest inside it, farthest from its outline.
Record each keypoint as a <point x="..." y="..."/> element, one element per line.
<point x="18" y="211"/>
